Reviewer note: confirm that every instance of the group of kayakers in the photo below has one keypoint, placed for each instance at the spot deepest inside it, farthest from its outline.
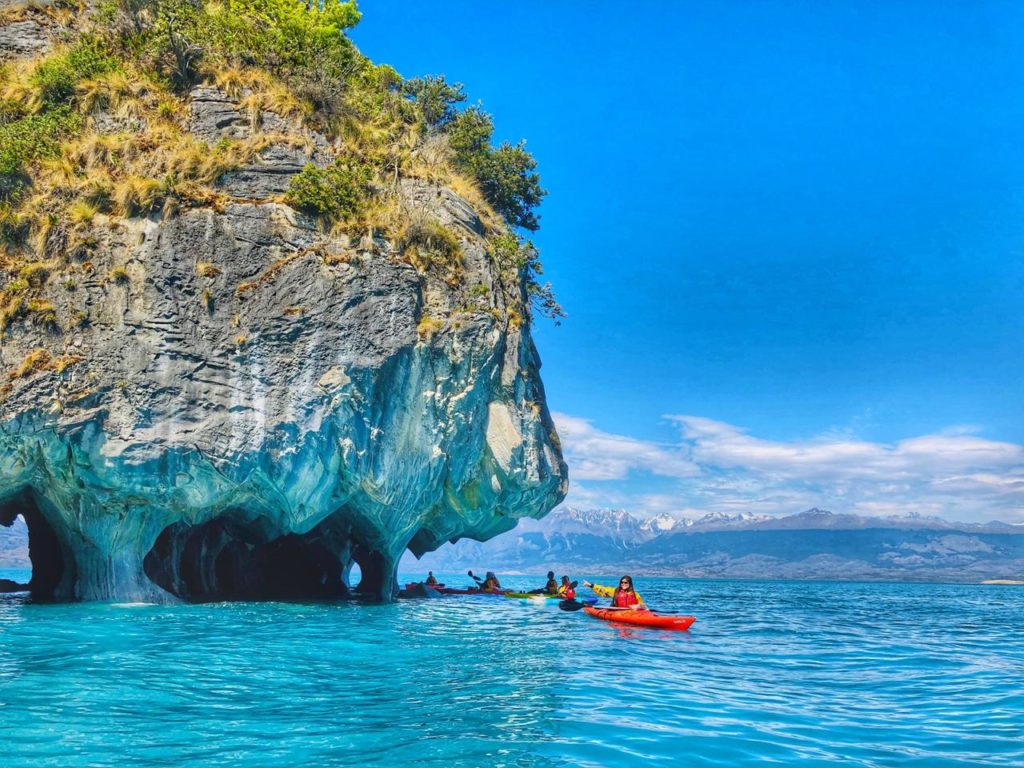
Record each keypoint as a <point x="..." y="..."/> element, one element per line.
<point x="627" y="607"/>
<point x="623" y="595"/>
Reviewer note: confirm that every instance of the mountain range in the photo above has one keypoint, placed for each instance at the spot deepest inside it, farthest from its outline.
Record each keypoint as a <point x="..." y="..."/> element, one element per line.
<point x="815" y="544"/>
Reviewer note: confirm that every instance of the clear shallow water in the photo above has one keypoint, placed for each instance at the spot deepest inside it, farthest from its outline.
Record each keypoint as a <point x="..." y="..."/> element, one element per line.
<point x="772" y="672"/>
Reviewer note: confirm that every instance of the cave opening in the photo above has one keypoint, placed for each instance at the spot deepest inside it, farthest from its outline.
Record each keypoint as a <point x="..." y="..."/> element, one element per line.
<point x="355" y="576"/>
<point x="233" y="557"/>
<point x="28" y="528"/>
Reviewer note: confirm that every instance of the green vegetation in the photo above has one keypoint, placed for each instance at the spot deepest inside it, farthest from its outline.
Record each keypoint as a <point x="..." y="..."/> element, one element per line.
<point x="56" y="77"/>
<point x="506" y="175"/>
<point x="28" y="138"/>
<point x="435" y="98"/>
<point x="136" y="60"/>
<point x="336" y="193"/>
<point x="514" y="256"/>
<point x="431" y="246"/>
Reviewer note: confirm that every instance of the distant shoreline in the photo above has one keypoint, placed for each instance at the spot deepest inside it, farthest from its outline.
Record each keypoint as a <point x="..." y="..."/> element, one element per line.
<point x="409" y="574"/>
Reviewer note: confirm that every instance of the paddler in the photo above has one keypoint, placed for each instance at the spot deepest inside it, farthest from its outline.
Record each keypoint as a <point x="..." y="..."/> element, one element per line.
<point x="551" y="587"/>
<point x="565" y="589"/>
<point x="431" y="581"/>
<point x="489" y="583"/>
<point x="623" y="596"/>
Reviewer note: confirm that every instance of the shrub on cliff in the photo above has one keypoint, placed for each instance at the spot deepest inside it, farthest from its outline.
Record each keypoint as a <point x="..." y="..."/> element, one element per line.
<point x="56" y="77"/>
<point x="336" y="192"/>
<point x="514" y="258"/>
<point x="29" y="138"/>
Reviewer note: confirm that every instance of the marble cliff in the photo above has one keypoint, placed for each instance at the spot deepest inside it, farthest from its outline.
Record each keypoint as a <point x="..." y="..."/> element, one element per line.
<point x="228" y="400"/>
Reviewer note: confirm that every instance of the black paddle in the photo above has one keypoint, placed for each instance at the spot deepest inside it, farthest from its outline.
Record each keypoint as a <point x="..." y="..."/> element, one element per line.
<point x="573" y="604"/>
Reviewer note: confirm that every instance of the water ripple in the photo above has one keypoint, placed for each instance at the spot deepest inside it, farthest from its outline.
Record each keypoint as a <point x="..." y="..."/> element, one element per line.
<point x="858" y="674"/>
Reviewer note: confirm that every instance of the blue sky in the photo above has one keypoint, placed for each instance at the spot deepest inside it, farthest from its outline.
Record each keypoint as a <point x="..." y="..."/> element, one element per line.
<point x="789" y="236"/>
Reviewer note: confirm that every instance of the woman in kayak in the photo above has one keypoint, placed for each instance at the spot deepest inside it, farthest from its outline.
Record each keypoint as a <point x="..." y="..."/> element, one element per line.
<point x="431" y="581"/>
<point x="565" y="589"/>
<point x="551" y="587"/>
<point x="623" y="596"/>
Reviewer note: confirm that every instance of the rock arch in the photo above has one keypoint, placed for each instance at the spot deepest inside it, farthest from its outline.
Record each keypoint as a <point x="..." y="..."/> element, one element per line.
<point x="53" y="566"/>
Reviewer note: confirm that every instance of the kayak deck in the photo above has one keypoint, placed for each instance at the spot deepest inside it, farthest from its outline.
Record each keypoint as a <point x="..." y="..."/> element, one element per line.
<point x="533" y="596"/>
<point x="641" y="618"/>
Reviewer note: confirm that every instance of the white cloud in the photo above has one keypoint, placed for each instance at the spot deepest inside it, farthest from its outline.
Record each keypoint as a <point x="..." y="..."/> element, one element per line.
<point x="717" y="466"/>
<point x="597" y="455"/>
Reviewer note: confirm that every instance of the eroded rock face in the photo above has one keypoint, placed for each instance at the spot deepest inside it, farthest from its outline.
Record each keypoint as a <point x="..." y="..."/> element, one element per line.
<point x="23" y="38"/>
<point x="244" y="406"/>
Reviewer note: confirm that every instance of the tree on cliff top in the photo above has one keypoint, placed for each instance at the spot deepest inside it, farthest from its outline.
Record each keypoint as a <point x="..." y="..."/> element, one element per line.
<point x="506" y="174"/>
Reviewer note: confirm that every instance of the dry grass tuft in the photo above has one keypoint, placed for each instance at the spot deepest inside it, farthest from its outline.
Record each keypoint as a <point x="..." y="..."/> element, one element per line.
<point x="427" y="327"/>
<point x="117" y="91"/>
<point x="272" y="271"/>
<point x="82" y="212"/>
<point x="34" y="362"/>
<point x="12" y="310"/>
<point x="430" y="246"/>
<point x="36" y="273"/>
<point x="64" y="362"/>
<point x="137" y="196"/>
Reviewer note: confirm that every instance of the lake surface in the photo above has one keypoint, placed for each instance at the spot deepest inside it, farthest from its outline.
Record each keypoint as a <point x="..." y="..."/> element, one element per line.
<point x="772" y="672"/>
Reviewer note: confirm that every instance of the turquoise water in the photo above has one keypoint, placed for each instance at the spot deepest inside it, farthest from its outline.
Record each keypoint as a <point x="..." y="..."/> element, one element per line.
<point x="772" y="672"/>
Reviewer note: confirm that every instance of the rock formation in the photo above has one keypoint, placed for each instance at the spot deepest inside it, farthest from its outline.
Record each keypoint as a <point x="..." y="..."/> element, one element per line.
<point x="229" y="401"/>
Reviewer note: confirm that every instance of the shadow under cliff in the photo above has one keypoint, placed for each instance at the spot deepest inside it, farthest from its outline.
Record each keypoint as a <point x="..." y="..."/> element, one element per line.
<point x="234" y="558"/>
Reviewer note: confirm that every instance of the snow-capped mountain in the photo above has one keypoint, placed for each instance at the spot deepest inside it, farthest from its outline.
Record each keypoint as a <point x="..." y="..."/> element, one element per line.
<point x="815" y="543"/>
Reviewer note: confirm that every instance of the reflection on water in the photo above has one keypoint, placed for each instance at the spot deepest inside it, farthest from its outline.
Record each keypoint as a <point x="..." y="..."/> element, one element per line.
<point x="858" y="674"/>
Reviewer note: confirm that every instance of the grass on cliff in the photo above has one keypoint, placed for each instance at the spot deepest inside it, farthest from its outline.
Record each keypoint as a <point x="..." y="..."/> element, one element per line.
<point x="96" y="130"/>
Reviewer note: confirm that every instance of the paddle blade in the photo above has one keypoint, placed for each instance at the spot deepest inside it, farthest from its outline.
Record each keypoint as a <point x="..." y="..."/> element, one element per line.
<point x="570" y="605"/>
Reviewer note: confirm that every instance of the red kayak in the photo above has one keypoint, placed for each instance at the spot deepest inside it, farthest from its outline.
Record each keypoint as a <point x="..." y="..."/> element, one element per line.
<point x="414" y="584"/>
<point x="641" y="617"/>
